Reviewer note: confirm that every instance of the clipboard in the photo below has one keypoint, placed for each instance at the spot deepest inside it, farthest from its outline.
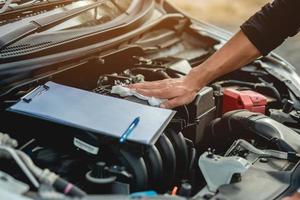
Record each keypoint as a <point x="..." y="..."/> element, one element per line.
<point x="93" y="112"/>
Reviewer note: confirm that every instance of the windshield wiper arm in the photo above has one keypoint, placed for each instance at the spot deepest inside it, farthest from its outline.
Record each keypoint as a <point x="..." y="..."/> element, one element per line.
<point x="33" y="6"/>
<point x="42" y="24"/>
<point x="5" y="6"/>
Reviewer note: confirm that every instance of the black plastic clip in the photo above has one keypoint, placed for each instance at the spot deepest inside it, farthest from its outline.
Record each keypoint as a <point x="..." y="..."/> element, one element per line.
<point x="37" y="91"/>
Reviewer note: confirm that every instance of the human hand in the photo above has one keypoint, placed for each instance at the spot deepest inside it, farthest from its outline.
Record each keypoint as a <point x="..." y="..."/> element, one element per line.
<point x="295" y="196"/>
<point x="177" y="91"/>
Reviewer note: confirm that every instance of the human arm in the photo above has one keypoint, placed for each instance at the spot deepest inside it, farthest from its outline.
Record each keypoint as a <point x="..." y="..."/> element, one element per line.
<point x="237" y="52"/>
<point x="260" y="34"/>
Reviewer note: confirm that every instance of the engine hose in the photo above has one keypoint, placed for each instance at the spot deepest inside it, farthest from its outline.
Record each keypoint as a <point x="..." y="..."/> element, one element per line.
<point x="11" y="153"/>
<point x="51" y="178"/>
<point x="235" y="124"/>
<point x="68" y="188"/>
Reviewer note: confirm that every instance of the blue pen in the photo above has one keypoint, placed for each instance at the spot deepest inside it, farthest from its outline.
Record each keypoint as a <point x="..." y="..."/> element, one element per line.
<point x="129" y="130"/>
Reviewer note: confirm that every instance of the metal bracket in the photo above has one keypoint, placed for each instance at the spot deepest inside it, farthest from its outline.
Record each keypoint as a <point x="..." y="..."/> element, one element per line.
<point x="218" y="170"/>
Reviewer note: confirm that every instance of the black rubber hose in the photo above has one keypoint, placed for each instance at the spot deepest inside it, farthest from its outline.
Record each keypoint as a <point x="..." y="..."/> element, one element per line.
<point x="67" y="188"/>
<point x="236" y="123"/>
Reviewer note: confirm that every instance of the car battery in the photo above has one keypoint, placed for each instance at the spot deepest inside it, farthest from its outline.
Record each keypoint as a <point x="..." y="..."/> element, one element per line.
<point x="234" y="99"/>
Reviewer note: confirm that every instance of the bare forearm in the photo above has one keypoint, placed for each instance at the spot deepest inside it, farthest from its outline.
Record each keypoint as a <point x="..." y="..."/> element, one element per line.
<point x="236" y="53"/>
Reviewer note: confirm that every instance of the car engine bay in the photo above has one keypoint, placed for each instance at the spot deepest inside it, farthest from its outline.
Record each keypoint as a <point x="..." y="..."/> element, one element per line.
<point x="237" y="139"/>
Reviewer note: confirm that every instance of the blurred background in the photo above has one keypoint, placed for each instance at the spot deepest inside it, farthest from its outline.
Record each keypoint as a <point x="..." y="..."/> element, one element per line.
<point x="230" y="14"/>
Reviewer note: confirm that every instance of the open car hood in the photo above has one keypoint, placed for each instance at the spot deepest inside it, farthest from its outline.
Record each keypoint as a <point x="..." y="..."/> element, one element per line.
<point x="56" y="70"/>
<point x="34" y="36"/>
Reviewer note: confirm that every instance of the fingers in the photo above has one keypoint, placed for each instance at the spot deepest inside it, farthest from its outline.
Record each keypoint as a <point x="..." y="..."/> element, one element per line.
<point x="173" y="103"/>
<point x="148" y="85"/>
<point x="295" y="196"/>
<point x="176" y="91"/>
<point x="164" y="93"/>
<point x="178" y="101"/>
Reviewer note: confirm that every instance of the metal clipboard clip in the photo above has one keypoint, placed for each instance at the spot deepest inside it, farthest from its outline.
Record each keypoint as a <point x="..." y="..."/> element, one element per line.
<point x="37" y="91"/>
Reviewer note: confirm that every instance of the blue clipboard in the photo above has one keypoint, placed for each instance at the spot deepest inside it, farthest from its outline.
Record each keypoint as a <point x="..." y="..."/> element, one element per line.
<point x="94" y="112"/>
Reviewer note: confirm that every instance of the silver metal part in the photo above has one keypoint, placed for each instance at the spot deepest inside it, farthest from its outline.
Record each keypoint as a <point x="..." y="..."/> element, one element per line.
<point x="269" y="153"/>
<point x="44" y="175"/>
<point x="5" y="194"/>
<point x="20" y="163"/>
<point x="218" y="170"/>
<point x="182" y="66"/>
<point x="7" y="141"/>
<point x="9" y="183"/>
<point x="25" y="163"/>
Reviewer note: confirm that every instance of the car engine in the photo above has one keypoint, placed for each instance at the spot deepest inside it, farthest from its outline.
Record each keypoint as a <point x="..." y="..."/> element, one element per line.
<point x="238" y="138"/>
<point x="173" y="160"/>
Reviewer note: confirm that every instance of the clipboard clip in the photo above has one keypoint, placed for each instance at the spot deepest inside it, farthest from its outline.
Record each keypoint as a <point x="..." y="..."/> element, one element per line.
<point x="37" y="91"/>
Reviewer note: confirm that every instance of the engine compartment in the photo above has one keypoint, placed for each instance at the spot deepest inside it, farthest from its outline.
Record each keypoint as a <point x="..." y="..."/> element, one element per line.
<point x="173" y="161"/>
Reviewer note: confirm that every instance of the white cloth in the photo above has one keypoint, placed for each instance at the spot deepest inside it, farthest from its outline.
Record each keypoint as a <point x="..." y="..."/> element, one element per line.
<point x="125" y="92"/>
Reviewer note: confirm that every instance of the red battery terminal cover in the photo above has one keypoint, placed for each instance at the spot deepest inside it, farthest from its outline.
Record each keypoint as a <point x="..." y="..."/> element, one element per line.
<point x="246" y="99"/>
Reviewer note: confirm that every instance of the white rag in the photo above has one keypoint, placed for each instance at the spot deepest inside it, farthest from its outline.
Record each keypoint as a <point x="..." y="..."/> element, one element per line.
<point x="125" y="92"/>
